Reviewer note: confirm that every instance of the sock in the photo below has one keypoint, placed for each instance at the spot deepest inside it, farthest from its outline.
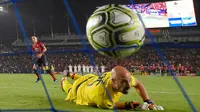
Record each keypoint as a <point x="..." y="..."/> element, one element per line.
<point x="38" y="76"/>
<point x="74" y="76"/>
<point x="52" y="74"/>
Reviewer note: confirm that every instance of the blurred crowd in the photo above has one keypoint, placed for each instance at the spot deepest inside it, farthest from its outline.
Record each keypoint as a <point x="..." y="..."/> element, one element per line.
<point x="148" y="8"/>
<point x="147" y="56"/>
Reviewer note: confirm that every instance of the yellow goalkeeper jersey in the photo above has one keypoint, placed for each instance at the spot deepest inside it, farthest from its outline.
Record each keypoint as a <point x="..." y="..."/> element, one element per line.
<point x="89" y="90"/>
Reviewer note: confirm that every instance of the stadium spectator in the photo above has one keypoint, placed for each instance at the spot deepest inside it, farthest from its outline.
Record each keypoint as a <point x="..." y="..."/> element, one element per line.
<point x="61" y="61"/>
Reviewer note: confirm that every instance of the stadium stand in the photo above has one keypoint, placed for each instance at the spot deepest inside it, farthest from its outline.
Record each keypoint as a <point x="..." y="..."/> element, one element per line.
<point x="146" y="56"/>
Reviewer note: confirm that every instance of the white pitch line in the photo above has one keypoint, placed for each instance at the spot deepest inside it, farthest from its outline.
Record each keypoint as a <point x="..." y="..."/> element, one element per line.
<point x="150" y="91"/>
<point x="12" y="104"/>
<point x="4" y="87"/>
<point x="170" y="92"/>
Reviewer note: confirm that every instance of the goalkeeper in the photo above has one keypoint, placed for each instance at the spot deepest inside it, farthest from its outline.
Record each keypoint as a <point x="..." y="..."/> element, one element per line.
<point x="89" y="90"/>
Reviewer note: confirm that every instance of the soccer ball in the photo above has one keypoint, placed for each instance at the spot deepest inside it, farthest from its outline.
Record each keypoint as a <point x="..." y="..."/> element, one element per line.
<point x="115" y="31"/>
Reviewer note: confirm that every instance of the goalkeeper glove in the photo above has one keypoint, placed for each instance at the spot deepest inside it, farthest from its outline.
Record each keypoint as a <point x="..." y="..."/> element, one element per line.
<point x="131" y="105"/>
<point x="149" y="105"/>
<point x="149" y="102"/>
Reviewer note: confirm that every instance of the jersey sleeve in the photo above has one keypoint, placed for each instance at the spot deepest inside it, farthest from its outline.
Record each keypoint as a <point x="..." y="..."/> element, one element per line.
<point x="132" y="81"/>
<point x="41" y="46"/>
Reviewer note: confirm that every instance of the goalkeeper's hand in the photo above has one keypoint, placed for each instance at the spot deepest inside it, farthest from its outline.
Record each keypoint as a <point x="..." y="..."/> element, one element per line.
<point x="149" y="105"/>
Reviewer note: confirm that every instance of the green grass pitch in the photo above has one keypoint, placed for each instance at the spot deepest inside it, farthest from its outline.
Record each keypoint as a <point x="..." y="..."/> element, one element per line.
<point x="19" y="91"/>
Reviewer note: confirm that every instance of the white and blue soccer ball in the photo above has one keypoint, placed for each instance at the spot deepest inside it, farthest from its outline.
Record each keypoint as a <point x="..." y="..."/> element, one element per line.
<point x="115" y="31"/>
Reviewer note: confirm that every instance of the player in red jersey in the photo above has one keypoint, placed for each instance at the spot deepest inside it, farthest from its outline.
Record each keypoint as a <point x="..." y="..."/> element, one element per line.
<point x="198" y="68"/>
<point x="183" y="70"/>
<point x="41" y="59"/>
<point x="154" y="69"/>
<point x="166" y="69"/>
<point x="142" y="70"/>
<point x="162" y="70"/>
<point x="189" y="68"/>
<point x="148" y="70"/>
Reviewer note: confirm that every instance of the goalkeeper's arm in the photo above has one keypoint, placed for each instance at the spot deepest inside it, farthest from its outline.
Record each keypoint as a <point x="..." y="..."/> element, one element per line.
<point x="142" y="91"/>
<point x="148" y="104"/>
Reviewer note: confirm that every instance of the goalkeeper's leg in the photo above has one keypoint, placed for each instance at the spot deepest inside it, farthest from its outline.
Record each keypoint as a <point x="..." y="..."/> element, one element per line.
<point x="65" y="85"/>
<point x="71" y="75"/>
<point x="75" y="76"/>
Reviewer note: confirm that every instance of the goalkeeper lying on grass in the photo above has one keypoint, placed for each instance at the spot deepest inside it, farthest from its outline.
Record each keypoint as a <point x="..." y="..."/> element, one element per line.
<point x="89" y="90"/>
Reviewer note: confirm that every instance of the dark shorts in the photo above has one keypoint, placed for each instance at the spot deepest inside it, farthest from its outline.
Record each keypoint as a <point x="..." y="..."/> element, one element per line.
<point x="42" y="61"/>
<point x="153" y="71"/>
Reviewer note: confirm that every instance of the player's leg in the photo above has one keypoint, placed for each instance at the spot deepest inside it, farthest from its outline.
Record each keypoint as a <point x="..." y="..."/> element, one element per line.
<point x="47" y="68"/>
<point x="143" y="73"/>
<point x="154" y="72"/>
<point x="162" y="73"/>
<point x="71" y="75"/>
<point x="35" y="70"/>
<point x="51" y="72"/>
<point x="149" y="72"/>
<point x="65" y="85"/>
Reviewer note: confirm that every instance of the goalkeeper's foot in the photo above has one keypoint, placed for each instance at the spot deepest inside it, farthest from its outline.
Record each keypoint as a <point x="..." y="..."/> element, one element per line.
<point x="55" y="81"/>
<point x="66" y="73"/>
<point x="37" y="80"/>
